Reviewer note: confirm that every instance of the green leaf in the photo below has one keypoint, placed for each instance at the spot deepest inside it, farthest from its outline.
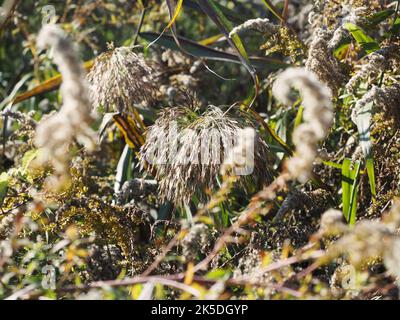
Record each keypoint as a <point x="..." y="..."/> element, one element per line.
<point x="299" y="117"/>
<point x="4" y="179"/>
<point x="354" y="193"/>
<point x="378" y="17"/>
<point x="201" y="51"/>
<point x="332" y="164"/>
<point x="224" y="25"/>
<point x="364" y="40"/>
<point x="371" y="177"/>
<point x="230" y="14"/>
<point x="342" y="48"/>
<point x="273" y="9"/>
<point x="346" y="185"/>
<point x="27" y="159"/>
<point x="350" y="188"/>
<point x="124" y="170"/>
<point x="224" y="215"/>
<point x="396" y="26"/>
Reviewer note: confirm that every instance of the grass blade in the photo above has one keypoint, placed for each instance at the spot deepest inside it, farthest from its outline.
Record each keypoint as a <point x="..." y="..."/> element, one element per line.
<point x="200" y="51"/>
<point x="224" y="25"/>
<point x="346" y="183"/>
<point x="350" y="188"/>
<point x="124" y="171"/>
<point x="273" y="9"/>
<point x="354" y="193"/>
<point x="46" y="86"/>
<point x="371" y="177"/>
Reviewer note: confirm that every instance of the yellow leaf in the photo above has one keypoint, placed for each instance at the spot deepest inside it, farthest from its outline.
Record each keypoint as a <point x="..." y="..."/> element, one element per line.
<point x="46" y="86"/>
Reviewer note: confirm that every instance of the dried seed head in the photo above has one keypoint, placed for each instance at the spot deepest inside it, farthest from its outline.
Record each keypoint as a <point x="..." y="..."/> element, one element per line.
<point x="321" y="61"/>
<point x="259" y="24"/>
<point x="386" y="98"/>
<point x="317" y="117"/>
<point x="196" y="242"/>
<point x="367" y="240"/>
<point x="119" y="79"/>
<point x="378" y="61"/>
<point x="185" y="149"/>
<point x="332" y="222"/>
<point x="55" y="133"/>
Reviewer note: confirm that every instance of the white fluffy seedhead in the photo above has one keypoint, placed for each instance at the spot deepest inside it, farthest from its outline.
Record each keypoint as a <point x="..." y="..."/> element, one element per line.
<point x="259" y="24"/>
<point x="119" y="79"/>
<point x="55" y="133"/>
<point x="317" y="116"/>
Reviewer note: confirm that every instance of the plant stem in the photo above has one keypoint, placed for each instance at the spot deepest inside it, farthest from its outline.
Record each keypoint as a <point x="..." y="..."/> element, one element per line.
<point x="139" y="27"/>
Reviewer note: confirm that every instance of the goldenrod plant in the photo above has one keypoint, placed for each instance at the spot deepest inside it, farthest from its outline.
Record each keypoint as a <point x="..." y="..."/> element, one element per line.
<point x="200" y="149"/>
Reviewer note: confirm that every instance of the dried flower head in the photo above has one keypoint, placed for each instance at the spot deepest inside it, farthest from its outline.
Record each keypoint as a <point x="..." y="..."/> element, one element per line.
<point x="196" y="242"/>
<point x="377" y="62"/>
<point x="54" y="134"/>
<point x="185" y="149"/>
<point x="322" y="62"/>
<point x="286" y="42"/>
<point x="332" y="222"/>
<point x="366" y="241"/>
<point x="386" y="99"/>
<point x="259" y="24"/>
<point x="317" y="117"/>
<point x="119" y="79"/>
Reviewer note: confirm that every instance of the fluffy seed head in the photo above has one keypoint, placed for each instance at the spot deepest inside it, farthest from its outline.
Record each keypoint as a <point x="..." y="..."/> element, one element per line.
<point x="119" y="79"/>
<point x="54" y="134"/>
<point x="317" y="117"/>
<point x="259" y="24"/>
<point x="321" y="61"/>
<point x="186" y="148"/>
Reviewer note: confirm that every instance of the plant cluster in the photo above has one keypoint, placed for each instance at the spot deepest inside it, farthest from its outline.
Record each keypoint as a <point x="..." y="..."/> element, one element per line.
<point x="200" y="149"/>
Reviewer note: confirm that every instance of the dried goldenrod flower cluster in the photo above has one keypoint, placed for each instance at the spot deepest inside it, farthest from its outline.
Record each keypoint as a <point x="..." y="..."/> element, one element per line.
<point x="378" y="61"/>
<point x="317" y="116"/>
<point x="196" y="242"/>
<point x="366" y="241"/>
<point x="285" y="41"/>
<point x="186" y="148"/>
<point x="322" y="63"/>
<point x="350" y="14"/>
<point x="259" y="24"/>
<point x="386" y="99"/>
<point x="54" y="134"/>
<point x="333" y="14"/>
<point x="119" y="79"/>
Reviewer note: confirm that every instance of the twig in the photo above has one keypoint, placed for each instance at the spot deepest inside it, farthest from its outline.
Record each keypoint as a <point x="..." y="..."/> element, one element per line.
<point x="139" y="27"/>
<point x="173" y="281"/>
<point x="285" y="12"/>
<point x="161" y="256"/>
